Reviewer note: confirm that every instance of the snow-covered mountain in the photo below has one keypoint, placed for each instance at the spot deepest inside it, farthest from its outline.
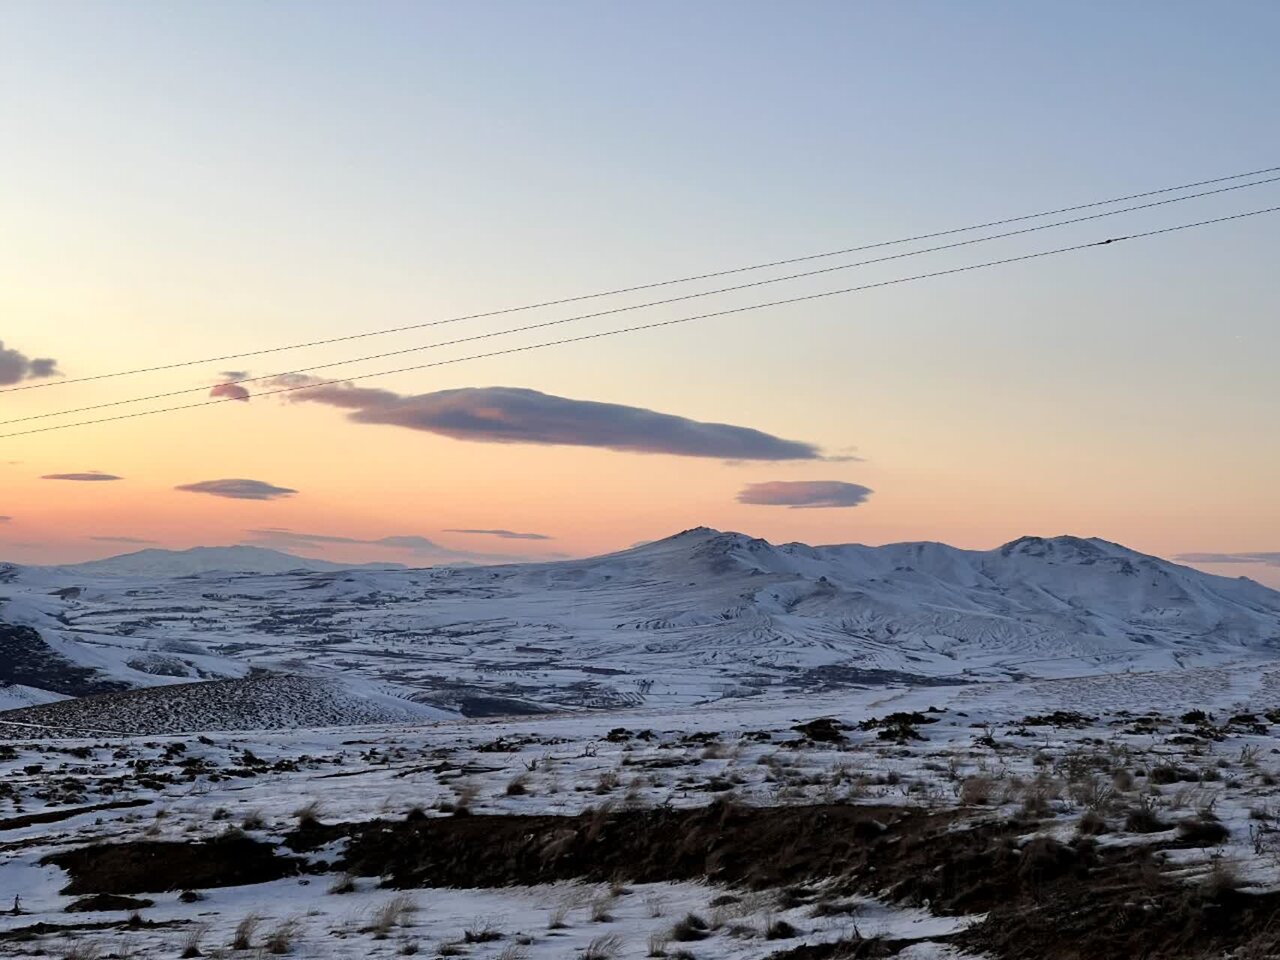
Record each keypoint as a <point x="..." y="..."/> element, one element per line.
<point x="699" y="615"/>
<point x="196" y="561"/>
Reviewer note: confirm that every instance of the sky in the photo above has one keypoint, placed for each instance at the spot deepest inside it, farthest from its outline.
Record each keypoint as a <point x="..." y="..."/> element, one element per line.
<point x="184" y="181"/>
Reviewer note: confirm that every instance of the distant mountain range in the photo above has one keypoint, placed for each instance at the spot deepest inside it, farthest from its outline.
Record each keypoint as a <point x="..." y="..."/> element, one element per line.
<point x="700" y="615"/>
<point x="154" y="562"/>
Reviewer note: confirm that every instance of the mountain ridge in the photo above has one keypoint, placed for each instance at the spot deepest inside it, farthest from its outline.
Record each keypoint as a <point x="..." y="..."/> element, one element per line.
<point x="233" y="558"/>
<point x="696" y="616"/>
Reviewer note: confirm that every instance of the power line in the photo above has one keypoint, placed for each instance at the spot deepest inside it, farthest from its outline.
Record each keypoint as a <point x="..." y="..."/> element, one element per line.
<point x="638" y="287"/>
<point x="662" y="323"/>
<point x="637" y="306"/>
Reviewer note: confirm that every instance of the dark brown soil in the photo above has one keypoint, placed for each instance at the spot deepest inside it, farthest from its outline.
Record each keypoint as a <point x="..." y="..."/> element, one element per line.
<point x="65" y="813"/>
<point x="723" y="843"/>
<point x="108" y="901"/>
<point x="148" y="866"/>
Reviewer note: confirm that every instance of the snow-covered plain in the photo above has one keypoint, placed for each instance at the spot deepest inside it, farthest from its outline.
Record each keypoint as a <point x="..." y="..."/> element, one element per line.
<point x="1052" y="691"/>
<point x="976" y="753"/>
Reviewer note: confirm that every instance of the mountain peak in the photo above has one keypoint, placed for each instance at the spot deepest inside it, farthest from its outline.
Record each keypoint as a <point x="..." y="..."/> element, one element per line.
<point x="1063" y="547"/>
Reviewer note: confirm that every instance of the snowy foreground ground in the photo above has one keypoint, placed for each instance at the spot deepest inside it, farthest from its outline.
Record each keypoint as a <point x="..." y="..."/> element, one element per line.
<point x="1069" y="778"/>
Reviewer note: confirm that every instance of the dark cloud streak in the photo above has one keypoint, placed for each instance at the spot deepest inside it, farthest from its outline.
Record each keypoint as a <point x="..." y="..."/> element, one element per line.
<point x="89" y="477"/>
<point x="518" y="415"/>
<point x="1269" y="559"/>
<point x="504" y="534"/>
<point x="804" y="494"/>
<point x="238" y="489"/>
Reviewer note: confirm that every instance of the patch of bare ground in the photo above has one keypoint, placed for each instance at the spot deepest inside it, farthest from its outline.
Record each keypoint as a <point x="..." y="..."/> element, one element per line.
<point x="153" y="866"/>
<point x="726" y="843"/>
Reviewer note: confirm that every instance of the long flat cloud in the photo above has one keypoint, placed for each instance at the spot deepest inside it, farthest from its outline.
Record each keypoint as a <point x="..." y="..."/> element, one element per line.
<point x="238" y="489"/>
<point x="134" y="540"/>
<point x="423" y="548"/>
<point x="504" y="534"/>
<point x="518" y="415"/>
<point x="90" y="477"/>
<point x="16" y="366"/>
<point x="1270" y="559"/>
<point x="804" y="493"/>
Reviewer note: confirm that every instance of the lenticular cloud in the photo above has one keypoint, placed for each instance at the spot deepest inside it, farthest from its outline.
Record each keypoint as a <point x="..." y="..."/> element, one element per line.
<point x="517" y="415"/>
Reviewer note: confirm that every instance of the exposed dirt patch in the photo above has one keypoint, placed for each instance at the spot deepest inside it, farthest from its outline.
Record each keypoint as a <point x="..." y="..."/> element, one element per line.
<point x="147" y="866"/>
<point x="723" y="843"/>
<point x="1120" y="905"/>
<point x="107" y="902"/>
<point x="38" y="931"/>
<point x="857" y="948"/>
<point x="66" y="813"/>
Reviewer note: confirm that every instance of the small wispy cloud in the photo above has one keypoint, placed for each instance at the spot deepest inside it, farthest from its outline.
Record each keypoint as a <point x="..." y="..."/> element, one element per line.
<point x="1270" y="559"/>
<point x="804" y="494"/>
<point x="139" y="541"/>
<point x="504" y="534"/>
<point x="5" y="519"/>
<point x="230" y="391"/>
<point x="90" y="476"/>
<point x="238" y="488"/>
<point x="16" y="366"/>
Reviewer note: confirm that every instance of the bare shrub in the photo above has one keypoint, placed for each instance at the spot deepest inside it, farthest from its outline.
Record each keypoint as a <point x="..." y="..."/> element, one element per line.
<point x="465" y="794"/>
<point x="308" y="815"/>
<point x="82" y="950"/>
<point x="603" y="948"/>
<point x="280" y="940"/>
<point x="1036" y="797"/>
<point x="253" y="820"/>
<point x="1093" y="793"/>
<point x="834" y="908"/>
<point x="482" y="930"/>
<point x="343" y="884"/>
<point x="655" y="903"/>
<point x="242" y="938"/>
<point x="691" y="927"/>
<point x="518" y="785"/>
<point x="1092" y="824"/>
<point x="600" y="908"/>
<point x="557" y="919"/>
<point x="395" y="912"/>
<point x="1203" y="831"/>
<point x="658" y="941"/>
<point x="1223" y="877"/>
<point x="780" y="930"/>
<point x="607" y="782"/>
<point x="1143" y="817"/>
<point x="975" y="791"/>
<point x="191" y="942"/>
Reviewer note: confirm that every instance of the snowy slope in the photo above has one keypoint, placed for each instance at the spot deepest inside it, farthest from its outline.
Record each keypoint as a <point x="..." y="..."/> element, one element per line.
<point x="692" y="618"/>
